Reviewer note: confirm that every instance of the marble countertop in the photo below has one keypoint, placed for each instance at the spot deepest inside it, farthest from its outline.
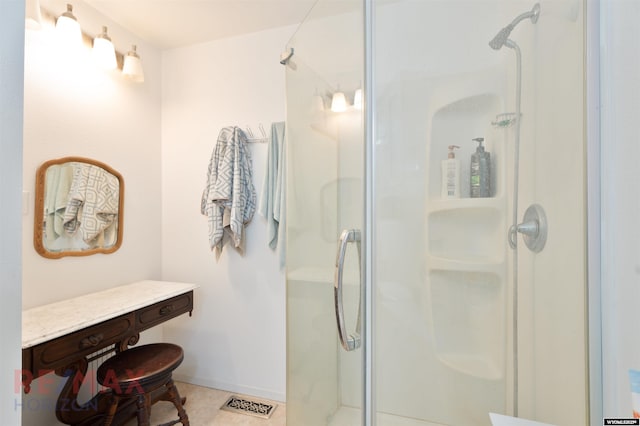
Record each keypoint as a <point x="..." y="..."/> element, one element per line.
<point x="47" y="322"/>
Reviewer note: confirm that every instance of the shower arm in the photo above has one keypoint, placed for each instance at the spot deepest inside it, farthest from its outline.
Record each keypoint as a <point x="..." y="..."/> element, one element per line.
<point x="533" y="14"/>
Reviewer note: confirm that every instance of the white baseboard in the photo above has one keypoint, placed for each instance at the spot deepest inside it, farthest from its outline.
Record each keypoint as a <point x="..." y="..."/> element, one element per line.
<point x="232" y="387"/>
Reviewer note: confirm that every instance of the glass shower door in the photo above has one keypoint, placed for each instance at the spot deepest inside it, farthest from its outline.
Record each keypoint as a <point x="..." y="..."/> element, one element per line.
<point x="324" y="218"/>
<point x="462" y="324"/>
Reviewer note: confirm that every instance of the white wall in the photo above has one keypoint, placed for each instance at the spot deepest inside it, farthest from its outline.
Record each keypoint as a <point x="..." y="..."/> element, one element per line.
<point x="236" y="338"/>
<point x="620" y="92"/>
<point x="11" y="84"/>
<point x="73" y="108"/>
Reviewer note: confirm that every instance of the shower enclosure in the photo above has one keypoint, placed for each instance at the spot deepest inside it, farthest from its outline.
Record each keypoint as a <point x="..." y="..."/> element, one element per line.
<point x="405" y="308"/>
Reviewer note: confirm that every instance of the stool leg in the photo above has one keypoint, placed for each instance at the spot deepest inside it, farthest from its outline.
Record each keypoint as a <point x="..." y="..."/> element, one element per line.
<point x="112" y="410"/>
<point x="143" y="411"/>
<point x="174" y="396"/>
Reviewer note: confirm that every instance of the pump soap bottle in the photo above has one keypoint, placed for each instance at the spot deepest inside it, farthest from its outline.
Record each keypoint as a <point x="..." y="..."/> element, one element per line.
<point x="451" y="175"/>
<point x="480" y="172"/>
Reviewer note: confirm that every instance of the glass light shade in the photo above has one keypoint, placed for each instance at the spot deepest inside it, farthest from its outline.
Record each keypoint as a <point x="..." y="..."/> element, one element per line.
<point x="317" y="103"/>
<point x="103" y="51"/>
<point x="33" y="17"/>
<point x="338" y="102"/>
<point x="357" y="99"/>
<point x="132" y="67"/>
<point x="68" y="28"/>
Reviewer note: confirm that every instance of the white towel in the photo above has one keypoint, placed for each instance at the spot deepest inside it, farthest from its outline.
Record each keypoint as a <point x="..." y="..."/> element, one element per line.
<point x="273" y="200"/>
<point x="229" y="197"/>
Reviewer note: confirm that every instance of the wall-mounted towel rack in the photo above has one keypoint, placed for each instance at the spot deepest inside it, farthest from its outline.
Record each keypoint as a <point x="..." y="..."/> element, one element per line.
<point x="251" y="138"/>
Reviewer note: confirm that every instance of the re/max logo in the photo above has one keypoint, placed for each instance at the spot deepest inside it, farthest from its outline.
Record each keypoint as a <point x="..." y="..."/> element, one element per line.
<point x="110" y="380"/>
<point x="621" y="421"/>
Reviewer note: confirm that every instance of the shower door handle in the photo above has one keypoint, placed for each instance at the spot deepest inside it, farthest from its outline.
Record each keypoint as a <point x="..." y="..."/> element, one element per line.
<point x="349" y="342"/>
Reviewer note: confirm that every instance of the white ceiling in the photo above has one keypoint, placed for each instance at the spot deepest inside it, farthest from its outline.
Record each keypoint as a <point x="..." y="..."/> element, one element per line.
<point x="173" y="23"/>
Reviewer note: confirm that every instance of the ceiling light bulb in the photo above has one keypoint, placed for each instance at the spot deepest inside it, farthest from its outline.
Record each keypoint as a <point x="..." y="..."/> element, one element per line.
<point x="103" y="51"/>
<point x="68" y="28"/>
<point x="132" y="67"/>
<point x="338" y="102"/>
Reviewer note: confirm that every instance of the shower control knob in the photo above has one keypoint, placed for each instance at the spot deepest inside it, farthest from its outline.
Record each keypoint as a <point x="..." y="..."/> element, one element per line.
<point x="533" y="228"/>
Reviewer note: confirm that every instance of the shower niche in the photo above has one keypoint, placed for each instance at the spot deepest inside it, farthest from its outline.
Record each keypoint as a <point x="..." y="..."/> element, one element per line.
<point x="466" y="238"/>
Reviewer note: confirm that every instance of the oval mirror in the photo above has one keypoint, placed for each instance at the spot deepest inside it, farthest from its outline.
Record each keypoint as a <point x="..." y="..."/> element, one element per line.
<point x="78" y="209"/>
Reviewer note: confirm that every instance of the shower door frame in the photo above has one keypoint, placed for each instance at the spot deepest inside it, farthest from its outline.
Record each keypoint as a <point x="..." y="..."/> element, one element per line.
<point x="368" y="233"/>
<point x="593" y="185"/>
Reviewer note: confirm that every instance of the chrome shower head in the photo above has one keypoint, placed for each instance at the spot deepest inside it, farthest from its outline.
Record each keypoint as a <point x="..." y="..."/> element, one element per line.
<point x="501" y="38"/>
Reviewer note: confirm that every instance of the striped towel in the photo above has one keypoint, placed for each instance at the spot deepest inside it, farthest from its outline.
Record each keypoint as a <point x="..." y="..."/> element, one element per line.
<point x="229" y="197"/>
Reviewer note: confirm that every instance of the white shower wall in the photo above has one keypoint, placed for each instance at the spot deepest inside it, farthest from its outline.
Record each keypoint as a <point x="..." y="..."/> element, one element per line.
<point x="553" y="282"/>
<point x="411" y="86"/>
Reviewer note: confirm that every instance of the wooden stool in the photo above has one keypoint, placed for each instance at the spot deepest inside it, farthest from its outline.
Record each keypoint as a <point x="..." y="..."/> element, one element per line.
<point x="137" y="373"/>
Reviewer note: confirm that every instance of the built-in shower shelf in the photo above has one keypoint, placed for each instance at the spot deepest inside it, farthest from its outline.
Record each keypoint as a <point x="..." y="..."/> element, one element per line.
<point x="468" y="317"/>
<point x="488" y="264"/>
<point x="321" y="275"/>
<point x="474" y="365"/>
<point x="316" y="274"/>
<point x="440" y="204"/>
<point x="472" y="234"/>
<point x="466" y="237"/>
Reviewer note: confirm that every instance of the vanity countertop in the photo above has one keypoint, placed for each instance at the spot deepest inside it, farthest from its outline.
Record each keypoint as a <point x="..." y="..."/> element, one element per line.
<point x="47" y="322"/>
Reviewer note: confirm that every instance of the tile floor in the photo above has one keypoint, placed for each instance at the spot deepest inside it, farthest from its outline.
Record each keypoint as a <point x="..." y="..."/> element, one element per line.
<point x="203" y="407"/>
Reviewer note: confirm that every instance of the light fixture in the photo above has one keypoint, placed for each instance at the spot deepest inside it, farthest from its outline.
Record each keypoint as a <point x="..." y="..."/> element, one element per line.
<point x="317" y="105"/>
<point x="103" y="50"/>
<point x="33" y="17"/>
<point x="338" y="102"/>
<point x="357" y="99"/>
<point x="317" y="102"/>
<point x="68" y="28"/>
<point x="132" y="67"/>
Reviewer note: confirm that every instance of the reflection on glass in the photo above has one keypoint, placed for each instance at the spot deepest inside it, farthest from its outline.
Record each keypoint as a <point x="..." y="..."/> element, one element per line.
<point x="81" y="207"/>
<point x="78" y="208"/>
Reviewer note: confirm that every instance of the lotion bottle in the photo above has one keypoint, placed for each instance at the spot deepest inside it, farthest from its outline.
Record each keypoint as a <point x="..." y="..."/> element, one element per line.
<point x="451" y="175"/>
<point x="480" y="172"/>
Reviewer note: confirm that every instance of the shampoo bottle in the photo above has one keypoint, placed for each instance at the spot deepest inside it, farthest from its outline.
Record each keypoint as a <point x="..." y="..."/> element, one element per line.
<point x="451" y="175"/>
<point x="480" y="172"/>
